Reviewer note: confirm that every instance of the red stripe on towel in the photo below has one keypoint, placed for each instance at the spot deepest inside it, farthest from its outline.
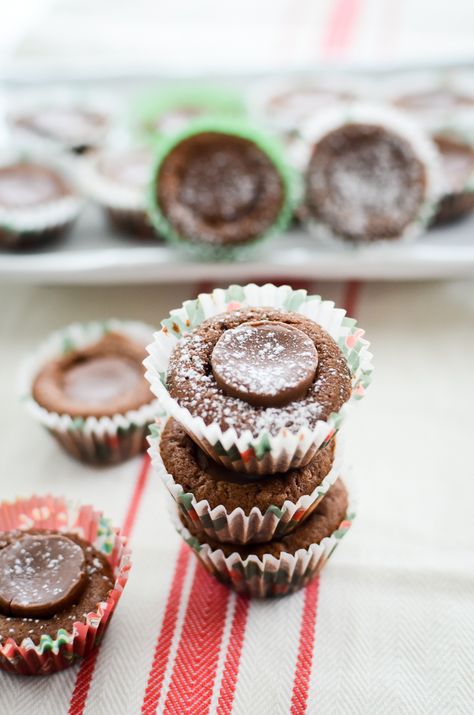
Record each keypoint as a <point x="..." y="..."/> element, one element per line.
<point x="304" y="662"/>
<point x="232" y="662"/>
<point x="86" y="671"/>
<point x="195" y="667"/>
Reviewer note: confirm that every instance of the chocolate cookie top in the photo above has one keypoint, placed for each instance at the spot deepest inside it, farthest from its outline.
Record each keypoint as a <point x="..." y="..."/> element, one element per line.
<point x="324" y="520"/>
<point x="365" y="182"/>
<point x="48" y="580"/>
<point x="205" y="479"/>
<point x="26" y="185"/>
<point x="435" y="99"/>
<point x="174" y="119"/>
<point x="191" y="380"/>
<point x="102" y="379"/>
<point x="130" y="168"/>
<point x="219" y="189"/>
<point x="72" y="126"/>
<point x="299" y="103"/>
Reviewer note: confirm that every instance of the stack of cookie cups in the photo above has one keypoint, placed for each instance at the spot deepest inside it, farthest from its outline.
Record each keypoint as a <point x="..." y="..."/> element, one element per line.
<point x="281" y="478"/>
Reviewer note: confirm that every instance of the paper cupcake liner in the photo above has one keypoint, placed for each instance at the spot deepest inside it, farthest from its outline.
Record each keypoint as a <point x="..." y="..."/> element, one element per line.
<point x="126" y="207"/>
<point x="273" y="150"/>
<point x="105" y="190"/>
<point x="271" y="576"/>
<point x="37" y="224"/>
<point x="239" y="527"/>
<point x="400" y="124"/>
<point x="261" y="453"/>
<point x="97" y="441"/>
<point x="62" y="649"/>
<point x="455" y="205"/>
<point x="213" y="101"/>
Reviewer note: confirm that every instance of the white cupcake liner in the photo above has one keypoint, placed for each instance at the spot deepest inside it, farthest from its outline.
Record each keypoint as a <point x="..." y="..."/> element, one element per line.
<point x="61" y="649"/>
<point x="237" y="526"/>
<point x="126" y="206"/>
<point x="105" y="190"/>
<point x="271" y="576"/>
<point x="32" y="224"/>
<point x="261" y="453"/>
<point x="98" y="441"/>
<point x="406" y="128"/>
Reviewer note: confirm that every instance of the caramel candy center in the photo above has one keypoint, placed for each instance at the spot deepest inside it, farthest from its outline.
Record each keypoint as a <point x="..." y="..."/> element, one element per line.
<point x="100" y="379"/>
<point x="41" y="575"/>
<point x="265" y="363"/>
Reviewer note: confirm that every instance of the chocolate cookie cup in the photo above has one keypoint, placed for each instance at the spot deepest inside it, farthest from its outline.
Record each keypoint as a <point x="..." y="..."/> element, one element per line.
<point x="220" y="187"/>
<point x="287" y="105"/>
<point x="168" y="110"/>
<point x="256" y="439"/>
<point x="372" y="176"/>
<point x="38" y="203"/>
<point x="117" y="179"/>
<point x="437" y="106"/>
<point x="284" y="565"/>
<point x="63" y="569"/>
<point x="457" y="162"/>
<point x="235" y="507"/>
<point x="74" y="126"/>
<point x="85" y="384"/>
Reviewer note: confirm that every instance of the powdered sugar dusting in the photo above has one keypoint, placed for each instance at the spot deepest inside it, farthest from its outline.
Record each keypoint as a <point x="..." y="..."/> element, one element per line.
<point x="218" y="188"/>
<point x="36" y="570"/>
<point x="365" y="181"/>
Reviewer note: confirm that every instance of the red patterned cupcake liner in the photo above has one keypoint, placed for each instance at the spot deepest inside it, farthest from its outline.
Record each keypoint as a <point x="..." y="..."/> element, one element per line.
<point x="59" y="650"/>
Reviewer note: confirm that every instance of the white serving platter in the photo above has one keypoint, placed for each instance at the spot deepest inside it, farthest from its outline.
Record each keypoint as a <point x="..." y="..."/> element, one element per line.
<point x="93" y="254"/>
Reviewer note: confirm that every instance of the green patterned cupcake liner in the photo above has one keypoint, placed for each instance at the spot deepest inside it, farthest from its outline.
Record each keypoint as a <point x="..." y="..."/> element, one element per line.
<point x="98" y="441"/>
<point x="237" y="526"/>
<point x="268" y="145"/>
<point x="261" y="453"/>
<point x="58" y="650"/>
<point x="399" y="124"/>
<point x="269" y="577"/>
